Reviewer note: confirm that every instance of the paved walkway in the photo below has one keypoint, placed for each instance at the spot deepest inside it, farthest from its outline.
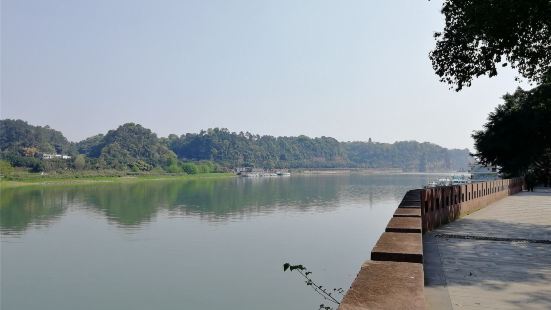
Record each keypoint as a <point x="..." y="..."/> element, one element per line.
<point x="496" y="258"/>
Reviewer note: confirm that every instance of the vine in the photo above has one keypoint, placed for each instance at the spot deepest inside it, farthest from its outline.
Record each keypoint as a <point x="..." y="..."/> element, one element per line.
<point x="328" y="295"/>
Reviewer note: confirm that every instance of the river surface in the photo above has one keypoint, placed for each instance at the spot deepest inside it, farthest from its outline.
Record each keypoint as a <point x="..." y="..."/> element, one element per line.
<point x="190" y="244"/>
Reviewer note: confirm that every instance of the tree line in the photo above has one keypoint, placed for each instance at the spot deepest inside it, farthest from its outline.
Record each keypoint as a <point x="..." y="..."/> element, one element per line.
<point x="131" y="147"/>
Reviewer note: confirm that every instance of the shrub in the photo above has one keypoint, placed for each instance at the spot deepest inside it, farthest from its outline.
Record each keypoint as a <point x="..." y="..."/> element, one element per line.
<point x="190" y="168"/>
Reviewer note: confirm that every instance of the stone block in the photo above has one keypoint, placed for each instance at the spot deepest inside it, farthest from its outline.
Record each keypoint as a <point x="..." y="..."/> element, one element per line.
<point x="410" y="204"/>
<point x="404" y="225"/>
<point x="386" y="285"/>
<point x="407" y="212"/>
<point x="398" y="247"/>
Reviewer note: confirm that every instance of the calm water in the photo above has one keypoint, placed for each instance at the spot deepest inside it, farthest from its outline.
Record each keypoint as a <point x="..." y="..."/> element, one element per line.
<point x="205" y="244"/>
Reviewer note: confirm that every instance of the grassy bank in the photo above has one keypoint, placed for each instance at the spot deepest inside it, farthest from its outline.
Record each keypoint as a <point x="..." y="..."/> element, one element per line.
<point x="63" y="179"/>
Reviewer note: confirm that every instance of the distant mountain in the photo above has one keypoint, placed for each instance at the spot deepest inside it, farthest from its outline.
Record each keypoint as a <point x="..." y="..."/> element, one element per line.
<point x="134" y="147"/>
<point x="460" y="159"/>
<point x="407" y="155"/>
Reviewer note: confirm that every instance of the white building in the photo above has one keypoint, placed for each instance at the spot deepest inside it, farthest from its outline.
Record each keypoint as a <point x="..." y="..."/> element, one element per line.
<point x="52" y="156"/>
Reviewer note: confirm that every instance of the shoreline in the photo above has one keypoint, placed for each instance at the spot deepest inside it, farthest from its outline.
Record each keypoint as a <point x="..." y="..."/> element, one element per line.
<point x="49" y="180"/>
<point x="82" y="180"/>
<point x="367" y="171"/>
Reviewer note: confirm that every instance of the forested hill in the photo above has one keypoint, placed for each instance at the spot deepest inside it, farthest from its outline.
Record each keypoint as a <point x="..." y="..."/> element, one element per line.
<point x="18" y="136"/>
<point x="134" y="147"/>
<point x="245" y="149"/>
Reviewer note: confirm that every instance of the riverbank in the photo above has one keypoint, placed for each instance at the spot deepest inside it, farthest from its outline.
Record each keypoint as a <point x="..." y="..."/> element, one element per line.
<point x="34" y="180"/>
<point x="367" y="171"/>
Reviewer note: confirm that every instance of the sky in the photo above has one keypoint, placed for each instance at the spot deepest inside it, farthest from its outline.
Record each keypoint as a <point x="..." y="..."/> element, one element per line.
<point x="351" y="69"/>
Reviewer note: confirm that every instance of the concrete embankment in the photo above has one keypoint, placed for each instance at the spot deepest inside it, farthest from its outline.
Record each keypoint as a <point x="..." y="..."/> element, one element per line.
<point x="394" y="277"/>
<point x="495" y="258"/>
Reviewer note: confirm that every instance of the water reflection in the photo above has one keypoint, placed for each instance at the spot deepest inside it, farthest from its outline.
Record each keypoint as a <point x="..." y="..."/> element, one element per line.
<point x="24" y="206"/>
<point x="202" y="244"/>
<point x="133" y="204"/>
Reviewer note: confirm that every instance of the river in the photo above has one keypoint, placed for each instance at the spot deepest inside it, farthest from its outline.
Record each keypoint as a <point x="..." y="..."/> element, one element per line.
<point x="190" y="244"/>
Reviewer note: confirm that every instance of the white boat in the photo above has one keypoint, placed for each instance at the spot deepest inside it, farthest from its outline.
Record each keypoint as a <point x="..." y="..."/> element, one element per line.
<point x="249" y="172"/>
<point x="432" y="184"/>
<point x="258" y="174"/>
<point x="460" y="180"/>
<point x="455" y="180"/>
<point x="482" y="173"/>
<point x="440" y="182"/>
<point x="250" y="175"/>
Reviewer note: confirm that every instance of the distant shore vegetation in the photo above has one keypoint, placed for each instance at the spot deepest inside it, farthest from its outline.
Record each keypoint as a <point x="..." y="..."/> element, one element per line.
<point x="132" y="149"/>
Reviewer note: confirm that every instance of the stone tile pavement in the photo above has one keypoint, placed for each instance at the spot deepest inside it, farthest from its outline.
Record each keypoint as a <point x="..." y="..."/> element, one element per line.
<point x="496" y="258"/>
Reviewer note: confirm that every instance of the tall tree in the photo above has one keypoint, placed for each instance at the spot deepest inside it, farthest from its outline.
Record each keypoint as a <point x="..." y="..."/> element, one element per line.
<point x="481" y="34"/>
<point x="517" y="136"/>
<point x="80" y="162"/>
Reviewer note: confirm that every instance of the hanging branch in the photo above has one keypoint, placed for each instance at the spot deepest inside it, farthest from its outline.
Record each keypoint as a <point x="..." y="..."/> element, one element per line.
<point x="327" y="295"/>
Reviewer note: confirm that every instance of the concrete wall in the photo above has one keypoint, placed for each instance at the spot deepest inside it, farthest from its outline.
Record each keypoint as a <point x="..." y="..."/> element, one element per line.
<point x="394" y="277"/>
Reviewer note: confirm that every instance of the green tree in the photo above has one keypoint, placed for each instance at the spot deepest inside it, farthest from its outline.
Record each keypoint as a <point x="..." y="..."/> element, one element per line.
<point x="5" y="168"/>
<point x="115" y="156"/>
<point x="517" y="136"/>
<point x="91" y="146"/>
<point x="190" y="168"/>
<point x="80" y="162"/>
<point x="173" y="166"/>
<point x="479" y="35"/>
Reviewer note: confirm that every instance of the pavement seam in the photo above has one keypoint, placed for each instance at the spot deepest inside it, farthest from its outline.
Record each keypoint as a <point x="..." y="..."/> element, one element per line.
<point x="489" y="238"/>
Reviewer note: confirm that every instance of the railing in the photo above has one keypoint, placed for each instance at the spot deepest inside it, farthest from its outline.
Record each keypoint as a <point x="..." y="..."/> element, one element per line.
<point x="441" y="205"/>
<point x="394" y="277"/>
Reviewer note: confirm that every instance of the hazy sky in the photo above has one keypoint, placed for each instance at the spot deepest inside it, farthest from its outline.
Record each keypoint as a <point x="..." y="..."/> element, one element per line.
<point x="346" y="69"/>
